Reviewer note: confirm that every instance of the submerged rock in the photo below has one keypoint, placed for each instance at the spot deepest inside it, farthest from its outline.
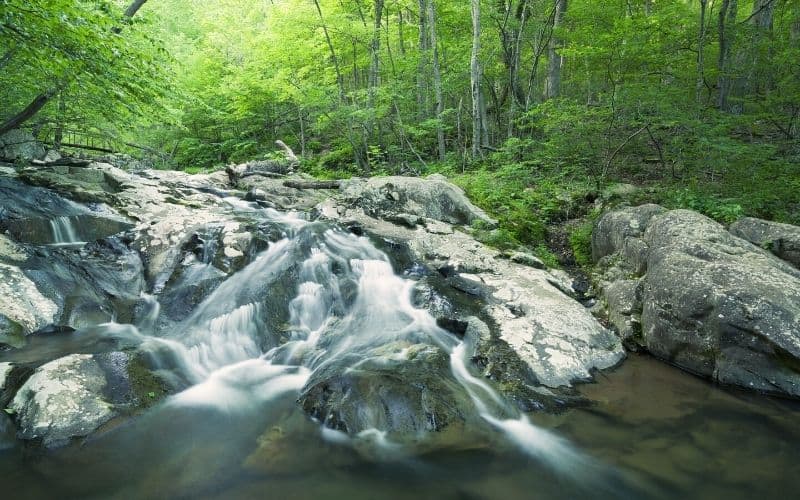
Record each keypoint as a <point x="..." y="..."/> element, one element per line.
<point x="709" y="302"/>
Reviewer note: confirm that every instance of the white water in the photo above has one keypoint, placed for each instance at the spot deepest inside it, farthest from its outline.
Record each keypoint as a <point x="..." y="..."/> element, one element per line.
<point x="348" y="300"/>
<point x="63" y="231"/>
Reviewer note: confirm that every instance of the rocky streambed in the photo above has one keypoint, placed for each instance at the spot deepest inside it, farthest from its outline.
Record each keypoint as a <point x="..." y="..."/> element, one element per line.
<point x="280" y="331"/>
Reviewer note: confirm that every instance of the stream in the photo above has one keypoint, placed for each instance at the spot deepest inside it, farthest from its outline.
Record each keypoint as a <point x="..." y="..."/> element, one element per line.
<point x="235" y="426"/>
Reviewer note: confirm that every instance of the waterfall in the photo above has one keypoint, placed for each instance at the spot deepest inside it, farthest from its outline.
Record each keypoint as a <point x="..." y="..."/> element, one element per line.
<point x="346" y="299"/>
<point x="63" y="231"/>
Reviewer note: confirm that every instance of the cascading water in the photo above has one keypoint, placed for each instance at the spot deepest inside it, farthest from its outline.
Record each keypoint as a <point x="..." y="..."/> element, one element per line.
<point x="347" y="300"/>
<point x="63" y="231"/>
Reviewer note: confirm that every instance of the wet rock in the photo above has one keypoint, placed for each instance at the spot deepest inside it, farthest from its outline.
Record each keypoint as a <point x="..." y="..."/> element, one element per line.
<point x="783" y="240"/>
<point x="20" y="145"/>
<point x="712" y="303"/>
<point x="434" y="198"/>
<point x="62" y="400"/>
<point x="407" y="391"/>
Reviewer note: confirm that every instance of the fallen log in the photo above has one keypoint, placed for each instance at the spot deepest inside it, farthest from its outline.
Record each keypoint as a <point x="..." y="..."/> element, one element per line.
<point x="312" y="184"/>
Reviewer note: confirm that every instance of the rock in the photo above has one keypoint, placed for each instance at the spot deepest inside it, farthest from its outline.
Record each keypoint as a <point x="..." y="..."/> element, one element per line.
<point x="554" y="336"/>
<point x="515" y="380"/>
<point x="23" y="309"/>
<point x="380" y="394"/>
<point x="616" y="191"/>
<point x="433" y="198"/>
<point x="51" y="156"/>
<point x="782" y="240"/>
<point x="624" y="305"/>
<point x="711" y="303"/>
<point x="527" y="259"/>
<point x="620" y="231"/>
<point x="20" y="145"/>
<point x="62" y="400"/>
<point x="5" y="370"/>
<point x="256" y="194"/>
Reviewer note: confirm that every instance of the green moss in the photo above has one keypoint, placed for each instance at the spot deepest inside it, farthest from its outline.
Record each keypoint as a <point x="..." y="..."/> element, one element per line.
<point x="147" y="387"/>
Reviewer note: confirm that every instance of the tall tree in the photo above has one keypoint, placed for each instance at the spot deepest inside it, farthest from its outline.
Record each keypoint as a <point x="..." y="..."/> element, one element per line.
<point x="437" y="81"/>
<point x="726" y="26"/>
<point x="476" y="76"/>
<point x="555" y="61"/>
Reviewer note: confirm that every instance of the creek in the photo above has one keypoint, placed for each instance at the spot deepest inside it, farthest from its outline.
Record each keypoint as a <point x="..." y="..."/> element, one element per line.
<point x="320" y="306"/>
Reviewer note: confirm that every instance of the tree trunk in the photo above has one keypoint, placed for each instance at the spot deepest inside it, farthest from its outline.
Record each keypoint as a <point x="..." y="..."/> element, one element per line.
<point x="555" y="61"/>
<point x="759" y="76"/>
<point x="701" y="44"/>
<point x="42" y="99"/>
<point x="476" y="75"/>
<point x="58" y="136"/>
<point x="134" y="8"/>
<point x="517" y="96"/>
<point x="725" y="30"/>
<point x="375" y="49"/>
<point x="422" y="66"/>
<point x="437" y="80"/>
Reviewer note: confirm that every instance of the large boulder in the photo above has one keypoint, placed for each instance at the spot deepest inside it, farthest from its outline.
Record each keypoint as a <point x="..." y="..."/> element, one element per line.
<point x="20" y="145"/>
<point x="61" y="400"/>
<point x="781" y="239"/>
<point x="707" y="301"/>
<point x="434" y="198"/>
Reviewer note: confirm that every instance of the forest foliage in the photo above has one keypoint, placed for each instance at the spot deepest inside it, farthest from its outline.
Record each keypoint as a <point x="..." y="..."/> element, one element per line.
<point x="536" y="107"/>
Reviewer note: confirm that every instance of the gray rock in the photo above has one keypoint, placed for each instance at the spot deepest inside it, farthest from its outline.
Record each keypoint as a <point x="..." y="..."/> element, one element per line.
<point x="20" y="145"/>
<point x="712" y="303"/>
<point x="5" y="370"/>
<point x="23" y="309"/>
<point x="62" y="400"/>
<point x="782" y="240"/>
<point x="433" y="198"/>
<point x="625" y="308"/>
<point x="620" y="232"/>
<point x="527" y="259"/>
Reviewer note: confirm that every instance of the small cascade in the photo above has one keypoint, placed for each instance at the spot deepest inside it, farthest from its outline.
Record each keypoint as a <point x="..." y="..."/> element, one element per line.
<point x="63" y="231"/>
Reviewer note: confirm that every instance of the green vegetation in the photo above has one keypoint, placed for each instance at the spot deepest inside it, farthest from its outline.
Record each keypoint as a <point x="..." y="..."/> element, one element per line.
<point x="536" y="114"/>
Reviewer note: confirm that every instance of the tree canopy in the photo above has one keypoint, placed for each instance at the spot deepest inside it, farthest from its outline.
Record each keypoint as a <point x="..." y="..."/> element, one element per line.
<point x="527" y="103"/>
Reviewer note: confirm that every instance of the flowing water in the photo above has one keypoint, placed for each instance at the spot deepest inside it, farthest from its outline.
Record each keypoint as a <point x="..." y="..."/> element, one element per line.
<point x="235" y="430"/>
<point x="63" y="231"/>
